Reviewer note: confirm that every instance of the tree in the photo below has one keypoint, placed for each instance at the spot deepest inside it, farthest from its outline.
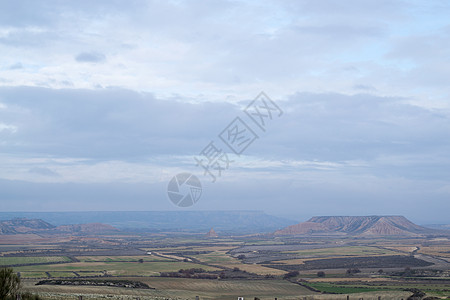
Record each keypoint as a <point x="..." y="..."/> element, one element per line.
<point x="241" y="256"/>
<point x="291" y="274"/>
<point x="9" y="283"/>
<point x="321" y="274"/>
<point x="380" y="271"/>
<point x="353" y="271"/>
<point x="140" y="260"/>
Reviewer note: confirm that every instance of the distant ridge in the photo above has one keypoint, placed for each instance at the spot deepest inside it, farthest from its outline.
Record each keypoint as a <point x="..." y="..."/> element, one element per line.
<point x="86" y="228"/>
<point x="225" y="222"/>
<point x="25" y="226"/>
<point x="357" y="225"/>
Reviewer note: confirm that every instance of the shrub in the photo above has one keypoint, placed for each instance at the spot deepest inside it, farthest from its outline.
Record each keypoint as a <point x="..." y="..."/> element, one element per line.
<point x="9" y="283"/>
<point x="320" y="274"/>
<point x="291" y="274"/>
<point x="353" y="271"/>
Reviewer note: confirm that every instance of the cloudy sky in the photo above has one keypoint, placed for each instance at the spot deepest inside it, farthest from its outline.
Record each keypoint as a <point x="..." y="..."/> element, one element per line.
<point x="103" y="102"/>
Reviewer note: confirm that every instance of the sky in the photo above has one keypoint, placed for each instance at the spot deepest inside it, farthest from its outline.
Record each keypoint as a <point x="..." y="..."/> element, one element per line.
<point x="102" y="103"/>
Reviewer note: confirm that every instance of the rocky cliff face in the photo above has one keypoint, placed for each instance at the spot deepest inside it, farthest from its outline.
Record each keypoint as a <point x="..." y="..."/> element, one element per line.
<point x="356" y="225"/>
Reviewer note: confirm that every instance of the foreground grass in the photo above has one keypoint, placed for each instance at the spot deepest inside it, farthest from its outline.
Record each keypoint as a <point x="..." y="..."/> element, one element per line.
<point x="439" y="290"/>
<point x="184" y="288"/>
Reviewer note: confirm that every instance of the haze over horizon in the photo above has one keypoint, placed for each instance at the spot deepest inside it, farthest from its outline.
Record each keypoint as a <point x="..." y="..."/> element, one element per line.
<point x="102" y="103"/>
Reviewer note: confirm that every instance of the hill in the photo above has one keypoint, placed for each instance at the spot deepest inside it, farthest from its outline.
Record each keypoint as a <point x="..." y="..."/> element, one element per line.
<point x="26" y="226"/>
<point x="23" y="225"/>
<point x="225" y="222"/>
<point x="86" y="228"/>
<point x="357" y="225"/>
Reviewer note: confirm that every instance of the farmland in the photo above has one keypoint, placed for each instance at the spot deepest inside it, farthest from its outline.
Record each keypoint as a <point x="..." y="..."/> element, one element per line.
<point x="185" y="266"/>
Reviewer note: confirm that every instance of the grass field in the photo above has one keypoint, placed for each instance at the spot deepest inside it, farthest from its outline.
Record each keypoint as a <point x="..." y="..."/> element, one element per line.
<point x="119" y="258"/>
<point x="220" y="258"/>
<point x="184" y="288"/>
<point x="5" y="261"/>
<point x="343" y="251"/>
<point x="442" y="251"/>
<point x="116" y="268"/>
<point x="216" y="257"/>
<point x="439" y="290"/>
<point x="341" y="289"/>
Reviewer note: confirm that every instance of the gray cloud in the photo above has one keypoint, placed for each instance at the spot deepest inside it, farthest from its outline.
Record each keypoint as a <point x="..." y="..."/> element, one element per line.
<point x="16" y="66"/>
<point x="91" y="57"/>
<point x="43" y="171"/>
<point x="374" y="150"/>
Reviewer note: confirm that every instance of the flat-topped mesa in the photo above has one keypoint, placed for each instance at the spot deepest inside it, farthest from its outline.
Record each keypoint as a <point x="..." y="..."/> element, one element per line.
<point x="356" y="225"/>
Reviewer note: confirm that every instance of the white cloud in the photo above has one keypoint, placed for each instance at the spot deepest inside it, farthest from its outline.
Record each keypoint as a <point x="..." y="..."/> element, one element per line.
<point x="231" y="48"/>
<point x="6" y="127"/>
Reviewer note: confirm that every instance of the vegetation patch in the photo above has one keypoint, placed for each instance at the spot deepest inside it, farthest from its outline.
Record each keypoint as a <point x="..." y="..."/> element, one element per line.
<point x="394" y="261"/>
<point x="29" y="260"/>
<point x="91" y="282"/>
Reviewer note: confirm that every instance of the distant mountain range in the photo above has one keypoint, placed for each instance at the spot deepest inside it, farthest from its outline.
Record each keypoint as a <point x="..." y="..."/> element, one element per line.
<point x="223" y="222"/>
<point x="358" y="226"/>
<point x="24" y="225"/>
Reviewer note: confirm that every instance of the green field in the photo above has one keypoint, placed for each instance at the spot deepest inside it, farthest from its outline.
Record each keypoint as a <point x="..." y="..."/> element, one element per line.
<point x="216" y="257"/>
<point x="344" y="251"/>
<point x="341" y="289"/>
<point x="181" y="288"/>
<point x="327" y="287"/>
<point x="6" y="261"/>
<point x="117" y="268"/>
<point x="120" y="258"/>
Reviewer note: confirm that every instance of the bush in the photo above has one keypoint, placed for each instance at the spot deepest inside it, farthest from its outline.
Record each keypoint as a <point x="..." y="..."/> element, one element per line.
<point x="320" y="274"/>
<point x="353" y="271"/>
<point x="9" y="283"/>
<point x="241" y="256"/>
<point x="191" y="271"/>
<point x="29" y="296"/>
<point x="291" y="274"/>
